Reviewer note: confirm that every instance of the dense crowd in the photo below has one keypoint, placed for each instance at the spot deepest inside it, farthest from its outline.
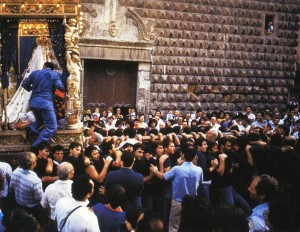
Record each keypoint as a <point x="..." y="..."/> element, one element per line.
<point x="199" y="171"/>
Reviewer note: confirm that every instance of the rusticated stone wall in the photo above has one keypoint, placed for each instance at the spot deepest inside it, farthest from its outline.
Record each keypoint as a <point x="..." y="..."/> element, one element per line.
<point x="215" y="54"/>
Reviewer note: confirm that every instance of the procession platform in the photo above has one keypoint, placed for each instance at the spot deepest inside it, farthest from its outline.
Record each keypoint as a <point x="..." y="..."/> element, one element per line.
<point x="11" y="141"/>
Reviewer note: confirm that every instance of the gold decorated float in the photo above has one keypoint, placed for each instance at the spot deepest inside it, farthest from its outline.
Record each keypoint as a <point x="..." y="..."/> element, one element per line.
<point x="33" y="17"/>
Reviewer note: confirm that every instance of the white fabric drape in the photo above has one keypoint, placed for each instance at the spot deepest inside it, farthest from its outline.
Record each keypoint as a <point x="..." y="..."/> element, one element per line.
<point x="19" y="104"/>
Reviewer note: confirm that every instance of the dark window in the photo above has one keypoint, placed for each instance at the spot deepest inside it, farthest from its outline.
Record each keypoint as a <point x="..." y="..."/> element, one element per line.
<point x="269" y="24"/>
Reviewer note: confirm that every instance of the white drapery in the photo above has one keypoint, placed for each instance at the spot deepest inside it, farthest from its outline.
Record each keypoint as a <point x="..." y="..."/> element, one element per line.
<point x="19" y="104"/>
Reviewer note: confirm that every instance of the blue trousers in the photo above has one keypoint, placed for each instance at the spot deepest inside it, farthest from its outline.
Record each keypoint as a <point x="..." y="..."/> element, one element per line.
<point x="48" y="119"/>
<point x="231" y="197"/>
<point x="204" y="192"/>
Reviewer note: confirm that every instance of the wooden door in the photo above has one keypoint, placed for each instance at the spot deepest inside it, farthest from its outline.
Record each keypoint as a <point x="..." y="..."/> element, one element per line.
<point x="109" y="83"/>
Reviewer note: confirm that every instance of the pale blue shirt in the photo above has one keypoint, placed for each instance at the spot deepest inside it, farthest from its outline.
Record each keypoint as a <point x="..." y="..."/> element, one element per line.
<point x="185" y="180"/>
<point x="257" y="219"/>
<point x="27" y="187"/>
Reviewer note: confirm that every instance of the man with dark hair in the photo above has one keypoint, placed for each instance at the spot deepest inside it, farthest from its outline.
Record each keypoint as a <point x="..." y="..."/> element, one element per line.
<point x="185" y="181"/>
<point x="72" y="214"/>
<point x="27" y="186"/>
<point x="143" y="159"/>
<point x="44" y="165"/>
<point x="132" y="181"/>
<point x="259" y="122"/>
<point x="208" y="163"/>
<point x="42" y="83"/>
<point x="57" y="155"/>
<point x="263" y="189"/>
<point x="76" y="158"/>
<point x="111" y="216"/>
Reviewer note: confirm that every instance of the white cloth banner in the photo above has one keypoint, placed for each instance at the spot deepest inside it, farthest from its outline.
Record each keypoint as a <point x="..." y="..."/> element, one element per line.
<point x="18" y="107"/>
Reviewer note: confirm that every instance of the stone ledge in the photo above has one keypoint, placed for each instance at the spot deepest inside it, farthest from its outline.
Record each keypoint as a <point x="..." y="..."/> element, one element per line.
<point x="12" y="141"/>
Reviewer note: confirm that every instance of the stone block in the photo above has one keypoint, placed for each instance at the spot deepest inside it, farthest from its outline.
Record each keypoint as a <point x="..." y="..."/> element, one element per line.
<point x="162" y="97"/>
<point x="257" y="98"/>
<point x="240" y="89"/>
<point x="183" y="88"/>
<point x="166" y="88"/>
<point x="224" y="89"/>
<point x="226" y="98"/>
<point x="155" y="78"/>
<point x="280" y="99"/>
<point x="153" y="97"/>
<point x="164" y="78"/>
<point x="181" y="97"/>
<point x="232" y="89"/>
<point x="218" y="98"/>
<point x="207" y="88"/>
<point x="170" y="97"/>
<point x="199" y="89"/>
<point x="248" y="89"/>
<point x="215" y="106"/>
<point x="249" y="98"/>
<point x="242" y="98"/>
<point x="202" y="98"/>
<point x="284" y="91"/>
<point x="272" y="99"/>
<point x="193" y="97"/>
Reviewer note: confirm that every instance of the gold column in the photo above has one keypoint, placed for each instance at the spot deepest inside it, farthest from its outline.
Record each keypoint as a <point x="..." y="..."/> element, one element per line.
<point x="73" y="103"/>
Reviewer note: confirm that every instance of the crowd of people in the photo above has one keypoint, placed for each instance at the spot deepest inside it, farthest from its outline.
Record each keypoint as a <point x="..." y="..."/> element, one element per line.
<point x="199" y="171"/>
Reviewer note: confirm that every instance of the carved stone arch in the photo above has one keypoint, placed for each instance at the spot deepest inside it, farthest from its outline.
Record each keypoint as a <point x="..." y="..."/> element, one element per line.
<point x="145" y="31"/>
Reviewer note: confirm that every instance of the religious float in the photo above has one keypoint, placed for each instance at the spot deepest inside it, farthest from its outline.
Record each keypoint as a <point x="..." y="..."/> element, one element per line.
<point x="33" y="32"/>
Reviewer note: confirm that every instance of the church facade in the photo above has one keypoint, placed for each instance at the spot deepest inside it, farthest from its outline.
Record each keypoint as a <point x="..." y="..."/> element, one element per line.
<point x="213" y="54"/>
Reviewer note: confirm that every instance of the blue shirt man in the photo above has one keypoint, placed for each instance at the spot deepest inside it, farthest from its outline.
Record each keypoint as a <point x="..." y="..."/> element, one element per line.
<point x="43" y="84"/>
<point x="186" y="179"/>
<point x="263" y="189"/>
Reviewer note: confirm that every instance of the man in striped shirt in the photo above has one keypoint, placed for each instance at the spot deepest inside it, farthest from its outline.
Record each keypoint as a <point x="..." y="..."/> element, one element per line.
<point x="27" y="186"/>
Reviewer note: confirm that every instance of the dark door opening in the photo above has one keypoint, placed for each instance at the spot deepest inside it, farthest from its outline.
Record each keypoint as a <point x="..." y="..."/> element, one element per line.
<point x="109" y="83"/>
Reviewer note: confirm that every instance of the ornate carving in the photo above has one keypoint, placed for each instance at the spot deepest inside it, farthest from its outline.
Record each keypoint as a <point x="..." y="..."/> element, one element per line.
<point x="73" y="104"/>
<point x="146" y="32"/>
<point x="13" y="141"/>
<point x="55" y="7"/>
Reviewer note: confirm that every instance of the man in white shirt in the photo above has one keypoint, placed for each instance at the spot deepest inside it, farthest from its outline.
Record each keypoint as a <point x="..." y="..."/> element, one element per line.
<point x="110" y="124"/>
<point x="59" y="189"/>
<point x="214" y="123"/>
<point x="72" y="214"/>
<point x="249" y="114"/>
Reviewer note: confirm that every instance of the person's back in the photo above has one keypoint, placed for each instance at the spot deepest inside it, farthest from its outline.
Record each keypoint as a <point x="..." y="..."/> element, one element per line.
<point x="25" y="183"/>
<point x="132" y="181"/>
<point x="6" y="171"/>
<point x="72" y="214"/>
<point x="111" y="216"/>
<point x="42" y="83"/>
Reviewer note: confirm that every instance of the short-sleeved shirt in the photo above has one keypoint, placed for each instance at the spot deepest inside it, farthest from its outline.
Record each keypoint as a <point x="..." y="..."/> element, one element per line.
<point x="27" y="187"/>
<point x="185" y="180"/>
<point x="6" y="171"/>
